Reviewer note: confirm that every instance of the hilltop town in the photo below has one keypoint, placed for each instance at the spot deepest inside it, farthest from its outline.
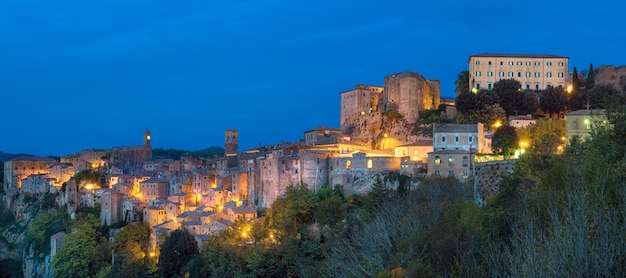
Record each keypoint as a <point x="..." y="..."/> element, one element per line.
<point x="402" y="128"/>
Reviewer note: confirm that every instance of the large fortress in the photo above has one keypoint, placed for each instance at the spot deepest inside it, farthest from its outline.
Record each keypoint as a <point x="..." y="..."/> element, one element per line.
<point x="406" y="92"/>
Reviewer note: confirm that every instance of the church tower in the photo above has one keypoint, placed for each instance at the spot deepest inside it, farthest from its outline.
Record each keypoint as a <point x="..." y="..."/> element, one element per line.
<point x="146" y="138"/>
<point x="230" y="143"/>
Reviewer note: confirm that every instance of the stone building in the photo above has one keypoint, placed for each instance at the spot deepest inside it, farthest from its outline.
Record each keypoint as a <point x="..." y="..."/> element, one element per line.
<point x="111" y="207"/>
<point x="131" y="159"/>
<point x="459" y="137"/>
<point x="580" y="122"/>
<point x="409" y="93"/>
<point x="533" y="71"/>
<point x="153" y="189"/>
<point x="36" y="185"/>
<point x="86" y="160"/>
<point x="361" y="100"/>
<point x="17" y="169"/>
<point x="451" y="162"/>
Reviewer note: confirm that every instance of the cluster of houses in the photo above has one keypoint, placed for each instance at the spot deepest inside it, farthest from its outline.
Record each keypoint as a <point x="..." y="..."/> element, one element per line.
<point x="208" y="195"/>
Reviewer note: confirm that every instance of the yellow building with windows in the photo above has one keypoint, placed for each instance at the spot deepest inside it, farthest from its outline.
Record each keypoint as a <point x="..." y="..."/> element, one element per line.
<point x="580" y="122"/>
<point x="533" y="71"/>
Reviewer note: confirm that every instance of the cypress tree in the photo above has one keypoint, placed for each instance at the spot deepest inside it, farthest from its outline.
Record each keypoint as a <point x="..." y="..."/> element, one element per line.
<point x="576" y="80"/>
<point x="590" y="82"/>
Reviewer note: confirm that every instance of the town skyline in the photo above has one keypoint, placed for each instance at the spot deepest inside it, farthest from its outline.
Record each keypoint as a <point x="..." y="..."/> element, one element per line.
<point x="96" y="75"/>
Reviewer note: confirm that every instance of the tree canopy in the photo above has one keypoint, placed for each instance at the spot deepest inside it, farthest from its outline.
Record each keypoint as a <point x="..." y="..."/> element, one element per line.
<point x="179" y="248"/>
<point x="462" y="82"/>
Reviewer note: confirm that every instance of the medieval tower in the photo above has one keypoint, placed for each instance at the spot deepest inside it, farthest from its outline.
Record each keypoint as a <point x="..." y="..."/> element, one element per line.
<point x="230" y="147"/>
<point x="146" y="138"/>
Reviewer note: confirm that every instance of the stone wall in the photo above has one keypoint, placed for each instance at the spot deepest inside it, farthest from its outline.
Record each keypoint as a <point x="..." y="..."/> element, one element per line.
<point x="487" y="175"/>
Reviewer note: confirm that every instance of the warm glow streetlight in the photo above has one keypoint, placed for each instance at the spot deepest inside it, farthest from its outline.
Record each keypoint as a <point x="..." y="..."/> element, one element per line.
<point x="497" y="124"/>
<point x="569" y="89"/>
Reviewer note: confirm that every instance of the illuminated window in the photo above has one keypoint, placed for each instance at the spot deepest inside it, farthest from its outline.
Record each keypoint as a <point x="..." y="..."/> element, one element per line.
<point x="369" y="164"/>
<point x="451" y="161"/>
<point x="437" y="160"/>
<point x="348" y="164"/>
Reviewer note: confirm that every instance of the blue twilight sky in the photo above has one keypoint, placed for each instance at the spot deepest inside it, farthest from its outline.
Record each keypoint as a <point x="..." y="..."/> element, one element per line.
<point x="94" y="74"/>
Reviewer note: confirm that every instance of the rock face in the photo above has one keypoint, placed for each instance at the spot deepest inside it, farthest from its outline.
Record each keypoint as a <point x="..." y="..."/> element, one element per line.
<point x="371" y="129"/>
<point x="13" y="236"/>
<point x="610" y="75"/>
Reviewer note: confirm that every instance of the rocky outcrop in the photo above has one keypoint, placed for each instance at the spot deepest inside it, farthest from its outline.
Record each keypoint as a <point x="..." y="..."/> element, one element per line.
<point x="371" y="129"/>
<point x="610" y="75"/>
<point x="13" y="236"/>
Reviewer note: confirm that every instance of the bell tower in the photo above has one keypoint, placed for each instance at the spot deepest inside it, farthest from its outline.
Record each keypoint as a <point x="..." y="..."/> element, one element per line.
<point x="231" y="142"/>
<point x="146" y="138"/>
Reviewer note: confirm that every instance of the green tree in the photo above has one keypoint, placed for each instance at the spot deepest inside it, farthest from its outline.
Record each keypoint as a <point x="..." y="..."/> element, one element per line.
<point x="602" y="96"/>
<point x="553" y="100"/>
<point x="44" y="226"/>
<point x="504" y="140"/>
<point x="132" y="250"/>
<point x="462" y="83"/>
<point x="487" y="97"/>
<point x="179" y="248"/>
<point x="590" y="82"/>
<point x="576" y="82"/>
<point x="378" y="193"/>
<point x="530" y="102"/>
<point x="83" y="254"/>
<point x="290" y="214"/>
<point x="508" y="91"/>
<point x="466" y="102"/>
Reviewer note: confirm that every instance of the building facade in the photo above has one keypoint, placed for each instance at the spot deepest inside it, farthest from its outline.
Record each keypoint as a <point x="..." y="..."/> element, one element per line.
<point x="361" y="100"/>
<point x="579" y="122"/>
<point x="459" y="137"/>
<point x="409" y="93"/>
<point x="533" y="71"/>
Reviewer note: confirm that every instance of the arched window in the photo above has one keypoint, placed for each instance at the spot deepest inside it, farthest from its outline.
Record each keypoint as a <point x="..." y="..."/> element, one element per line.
<point x="369" y="164"/>
<point x="348" y="164"/>
<point x="437" y="160"/>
